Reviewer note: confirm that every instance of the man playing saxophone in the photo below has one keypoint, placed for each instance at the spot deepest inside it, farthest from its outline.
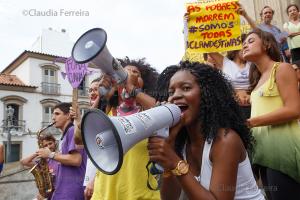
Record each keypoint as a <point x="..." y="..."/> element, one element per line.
<point x="72" y="161"/>
<point x="48" y="141"/>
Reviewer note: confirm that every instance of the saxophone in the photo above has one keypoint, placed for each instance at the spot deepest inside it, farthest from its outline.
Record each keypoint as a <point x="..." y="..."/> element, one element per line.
<point x="40" y="171"/>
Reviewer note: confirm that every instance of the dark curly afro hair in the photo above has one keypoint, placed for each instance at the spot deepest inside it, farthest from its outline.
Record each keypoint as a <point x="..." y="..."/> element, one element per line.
<point x="148" y="73"/>
<point x="218" y="107"/>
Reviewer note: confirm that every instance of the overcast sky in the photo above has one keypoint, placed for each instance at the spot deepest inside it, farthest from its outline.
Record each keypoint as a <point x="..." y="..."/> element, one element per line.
<point x="135" y="28"/>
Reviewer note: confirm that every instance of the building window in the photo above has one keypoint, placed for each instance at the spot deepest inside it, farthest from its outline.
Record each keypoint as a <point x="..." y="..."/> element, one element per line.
<point x="49" y="76"/>
<point x="16" y="150"/>
<point x="49" y="83"/>
<point x="47" y="115"/>
<point x="13" y="114"/>
<point x="48" y="108"/>
<point x="47" y="119"/>
<point x="82" y="88"/>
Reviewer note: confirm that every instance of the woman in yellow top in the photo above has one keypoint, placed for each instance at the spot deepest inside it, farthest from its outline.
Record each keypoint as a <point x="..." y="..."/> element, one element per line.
<point x="130" y="183"/>
<point x="275" y="109"/>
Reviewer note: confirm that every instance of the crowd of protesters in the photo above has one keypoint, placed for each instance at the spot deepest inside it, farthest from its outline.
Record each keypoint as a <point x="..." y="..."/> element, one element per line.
<point x="239" y="125"/>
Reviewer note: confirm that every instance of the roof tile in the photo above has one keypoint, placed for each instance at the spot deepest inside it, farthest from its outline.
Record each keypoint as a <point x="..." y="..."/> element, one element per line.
<point x="12" y="80"/>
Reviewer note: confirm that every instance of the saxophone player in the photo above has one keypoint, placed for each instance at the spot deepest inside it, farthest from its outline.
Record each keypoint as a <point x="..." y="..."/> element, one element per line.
<point x="48" y="141"/>
<point x="72" y="161"/>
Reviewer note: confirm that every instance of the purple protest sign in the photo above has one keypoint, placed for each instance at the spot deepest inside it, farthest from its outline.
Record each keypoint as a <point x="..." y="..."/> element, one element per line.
<point x="75" y="72"/>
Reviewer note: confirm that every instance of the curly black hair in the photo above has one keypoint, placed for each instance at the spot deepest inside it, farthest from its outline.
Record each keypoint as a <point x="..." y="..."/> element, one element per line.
<point x="218" y="107"/>
<point x="148" y="74"/>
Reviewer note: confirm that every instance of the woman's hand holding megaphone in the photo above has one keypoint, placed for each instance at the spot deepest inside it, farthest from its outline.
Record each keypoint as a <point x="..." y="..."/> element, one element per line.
<point x="105" y="81"/>
<point x="105" y="84"/>
<point x="133" y="81"/>
<point x="162" y="150"/>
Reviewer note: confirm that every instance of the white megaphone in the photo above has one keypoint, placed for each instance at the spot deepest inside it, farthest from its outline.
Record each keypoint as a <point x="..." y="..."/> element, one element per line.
<point x="107" y="139"/>
<point x="91" y="47"/>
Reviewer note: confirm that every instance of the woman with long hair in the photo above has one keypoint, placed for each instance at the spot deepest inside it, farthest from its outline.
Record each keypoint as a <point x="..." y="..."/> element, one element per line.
<point x="205" y="155"/>
<point x="274" y="112"/>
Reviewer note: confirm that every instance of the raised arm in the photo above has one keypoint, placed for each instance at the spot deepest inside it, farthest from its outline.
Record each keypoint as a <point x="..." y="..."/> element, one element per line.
<point x="145" y="100"/>
<point x="141" y="98"/>
<point x="241" y="11"/>
<point x="28" y="161"/>
<point x="73" y="158"/>
<point x="218" y="59"/>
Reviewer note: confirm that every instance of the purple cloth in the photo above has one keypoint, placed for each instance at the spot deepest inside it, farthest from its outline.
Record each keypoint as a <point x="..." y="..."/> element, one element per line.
<point x="53" y="168"/>
<point x="69" y="179"/>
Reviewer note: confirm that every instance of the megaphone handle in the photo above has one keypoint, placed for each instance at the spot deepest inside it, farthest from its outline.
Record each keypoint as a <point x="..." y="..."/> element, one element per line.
<point x="150" y="171"/>
<point x="155" y="167"/>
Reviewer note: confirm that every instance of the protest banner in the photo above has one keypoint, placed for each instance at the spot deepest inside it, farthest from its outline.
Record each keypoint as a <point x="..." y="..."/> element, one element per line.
<point x="75" y="72"/>
<point x="213" y="26"/>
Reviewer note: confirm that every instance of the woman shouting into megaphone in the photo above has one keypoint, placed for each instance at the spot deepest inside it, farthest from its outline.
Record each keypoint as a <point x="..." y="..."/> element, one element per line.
<point x="206" y="154"/>
<point x="133" y="96"/>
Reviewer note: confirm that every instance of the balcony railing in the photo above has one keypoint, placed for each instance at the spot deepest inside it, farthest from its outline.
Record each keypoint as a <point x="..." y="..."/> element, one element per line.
<point x="14" y="127"/>
<point x="51" y="130"/>
<point x="50" y="88"/>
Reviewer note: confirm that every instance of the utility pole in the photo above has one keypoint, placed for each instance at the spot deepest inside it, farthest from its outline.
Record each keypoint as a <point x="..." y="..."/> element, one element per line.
<point x="10" y="113"/>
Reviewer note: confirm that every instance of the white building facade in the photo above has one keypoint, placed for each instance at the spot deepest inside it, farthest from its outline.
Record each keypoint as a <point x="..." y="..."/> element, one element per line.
<point x="32" y="85"/>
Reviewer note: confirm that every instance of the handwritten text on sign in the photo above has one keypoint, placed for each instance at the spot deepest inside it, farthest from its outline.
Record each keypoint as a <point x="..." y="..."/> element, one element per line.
<point x="213" y="26"/>
<point x="75" y="72"/>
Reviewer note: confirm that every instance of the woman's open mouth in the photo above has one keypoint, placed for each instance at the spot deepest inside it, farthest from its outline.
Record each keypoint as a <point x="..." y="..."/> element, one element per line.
<point x="183" y="107"/>
<point x="93" y="98"/>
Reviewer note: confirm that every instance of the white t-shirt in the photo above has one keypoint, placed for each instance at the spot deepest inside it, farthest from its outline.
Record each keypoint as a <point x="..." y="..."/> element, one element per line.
<point x="238" y="77"/>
